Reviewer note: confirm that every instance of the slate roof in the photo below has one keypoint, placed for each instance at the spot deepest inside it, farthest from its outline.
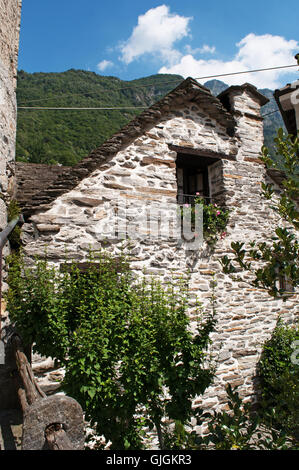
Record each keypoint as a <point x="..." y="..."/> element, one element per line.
<point x="32" y="178"/>
<point x="188" y="91"/>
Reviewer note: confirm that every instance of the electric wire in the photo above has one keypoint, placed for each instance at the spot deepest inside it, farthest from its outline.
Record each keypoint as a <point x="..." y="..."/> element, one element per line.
<point x="76" y="109"/>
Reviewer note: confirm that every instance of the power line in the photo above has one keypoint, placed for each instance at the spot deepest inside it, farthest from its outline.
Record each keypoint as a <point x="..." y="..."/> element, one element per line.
<point x="46" y="107"/>
<point x="111" y="109"/>
<point x="248" y="71"/>
<point x="268" y="114"/>
<point x="161" y="83"/>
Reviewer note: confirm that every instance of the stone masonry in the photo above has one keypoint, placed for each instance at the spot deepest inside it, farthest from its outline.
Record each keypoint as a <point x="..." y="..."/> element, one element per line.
<point x="142" y="172"/>
<point x="10" y="15"/>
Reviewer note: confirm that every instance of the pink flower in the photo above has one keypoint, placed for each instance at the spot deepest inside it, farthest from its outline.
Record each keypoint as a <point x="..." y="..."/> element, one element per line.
<point x="223" y="235"/>
<point x="186" y="205"/>
<point x="218" y="213"/>
<point x="196" y="194"/>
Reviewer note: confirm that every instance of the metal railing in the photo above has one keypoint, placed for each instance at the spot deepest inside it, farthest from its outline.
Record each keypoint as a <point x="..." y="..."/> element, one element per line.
<point x="190" y="198"/>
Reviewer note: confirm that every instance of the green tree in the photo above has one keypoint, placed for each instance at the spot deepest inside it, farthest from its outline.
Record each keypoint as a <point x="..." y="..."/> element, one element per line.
<point x="279" y="377"/>
<point x="130" y="357"/>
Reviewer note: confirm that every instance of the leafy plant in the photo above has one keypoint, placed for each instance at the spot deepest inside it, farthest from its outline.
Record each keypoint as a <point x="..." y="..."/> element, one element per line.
<point x="238" y="427"/>
<point x="126" y="345"/>
<point x="279" y="378"/>
<point x="241" y="428"/>
<point x="214" y="219"/>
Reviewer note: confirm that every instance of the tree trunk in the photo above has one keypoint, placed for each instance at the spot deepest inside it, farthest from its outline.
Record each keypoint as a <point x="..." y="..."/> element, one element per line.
<point x="28" y="389"/>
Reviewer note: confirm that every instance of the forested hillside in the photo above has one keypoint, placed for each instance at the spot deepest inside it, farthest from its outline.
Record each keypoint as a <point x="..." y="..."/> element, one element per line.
<point x="64" y="136"/>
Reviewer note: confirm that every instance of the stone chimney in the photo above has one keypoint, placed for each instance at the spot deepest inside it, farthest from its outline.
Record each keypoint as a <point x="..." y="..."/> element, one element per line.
<point x="245" y="103"/>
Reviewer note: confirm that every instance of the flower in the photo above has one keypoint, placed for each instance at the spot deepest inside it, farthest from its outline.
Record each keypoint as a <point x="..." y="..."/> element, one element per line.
<point x="186" y="205"/>
<point x="218" y="213"/>
<point x="223" y="235"/>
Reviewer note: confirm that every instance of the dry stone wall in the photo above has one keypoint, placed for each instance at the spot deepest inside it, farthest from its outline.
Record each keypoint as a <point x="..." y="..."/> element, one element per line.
<point x="10" y="14"/>
<point x="144" y="174"/>
<point x="10" y="11"/>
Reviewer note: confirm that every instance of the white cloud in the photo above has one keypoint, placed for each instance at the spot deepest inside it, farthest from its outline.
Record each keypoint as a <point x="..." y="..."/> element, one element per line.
<point x="254" y="52"/>
<point x="205" y="49"/>
<point x="105" y="64"/>
<point x="156" y="32"/>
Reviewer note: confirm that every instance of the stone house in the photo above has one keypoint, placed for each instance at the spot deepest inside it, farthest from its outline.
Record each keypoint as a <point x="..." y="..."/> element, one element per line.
<point x="189" y="142"/>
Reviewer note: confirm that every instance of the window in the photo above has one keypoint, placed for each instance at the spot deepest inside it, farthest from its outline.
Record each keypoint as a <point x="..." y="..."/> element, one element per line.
<point x="192" y="177"/>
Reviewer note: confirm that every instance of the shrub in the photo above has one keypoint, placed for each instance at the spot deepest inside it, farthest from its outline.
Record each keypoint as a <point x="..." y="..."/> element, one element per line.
<point x="279" y="377"/>
<point x="214" y="219"/>
<point x="239" y="427"/>
<point x="126" y="345"/>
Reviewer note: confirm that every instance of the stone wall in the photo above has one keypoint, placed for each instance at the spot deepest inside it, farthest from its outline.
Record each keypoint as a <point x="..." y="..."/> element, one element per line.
<point x="10" y="14"/>
<point x="143" y="174"/>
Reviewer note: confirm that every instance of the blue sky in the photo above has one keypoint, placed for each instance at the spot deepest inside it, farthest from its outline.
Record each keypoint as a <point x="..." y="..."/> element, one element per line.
<point x="133" y="39"/>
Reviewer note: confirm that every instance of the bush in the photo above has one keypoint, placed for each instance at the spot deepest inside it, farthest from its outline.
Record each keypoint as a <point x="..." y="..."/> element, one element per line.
<point x="279" y="377"/>
<point x="241" y="428"/>
<point x="214" y="219"/>
<point x="130" y="358"/>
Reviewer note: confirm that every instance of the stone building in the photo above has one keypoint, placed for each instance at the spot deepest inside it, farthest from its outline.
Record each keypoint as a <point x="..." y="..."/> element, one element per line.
<point x="287" y="99"/>
<point x="10" y="15"/>
<point x="189" y="142"/>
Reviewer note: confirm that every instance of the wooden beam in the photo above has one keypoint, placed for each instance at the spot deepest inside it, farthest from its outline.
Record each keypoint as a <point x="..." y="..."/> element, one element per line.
<point x="117" y="264"/>
<point x="201" y="152"/>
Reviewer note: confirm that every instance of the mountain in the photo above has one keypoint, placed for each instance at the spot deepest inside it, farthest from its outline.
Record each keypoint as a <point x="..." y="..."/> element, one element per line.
<point x="65" y="137"/>
<point x="58" y="136"/>
<point x="216" y="86"/>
